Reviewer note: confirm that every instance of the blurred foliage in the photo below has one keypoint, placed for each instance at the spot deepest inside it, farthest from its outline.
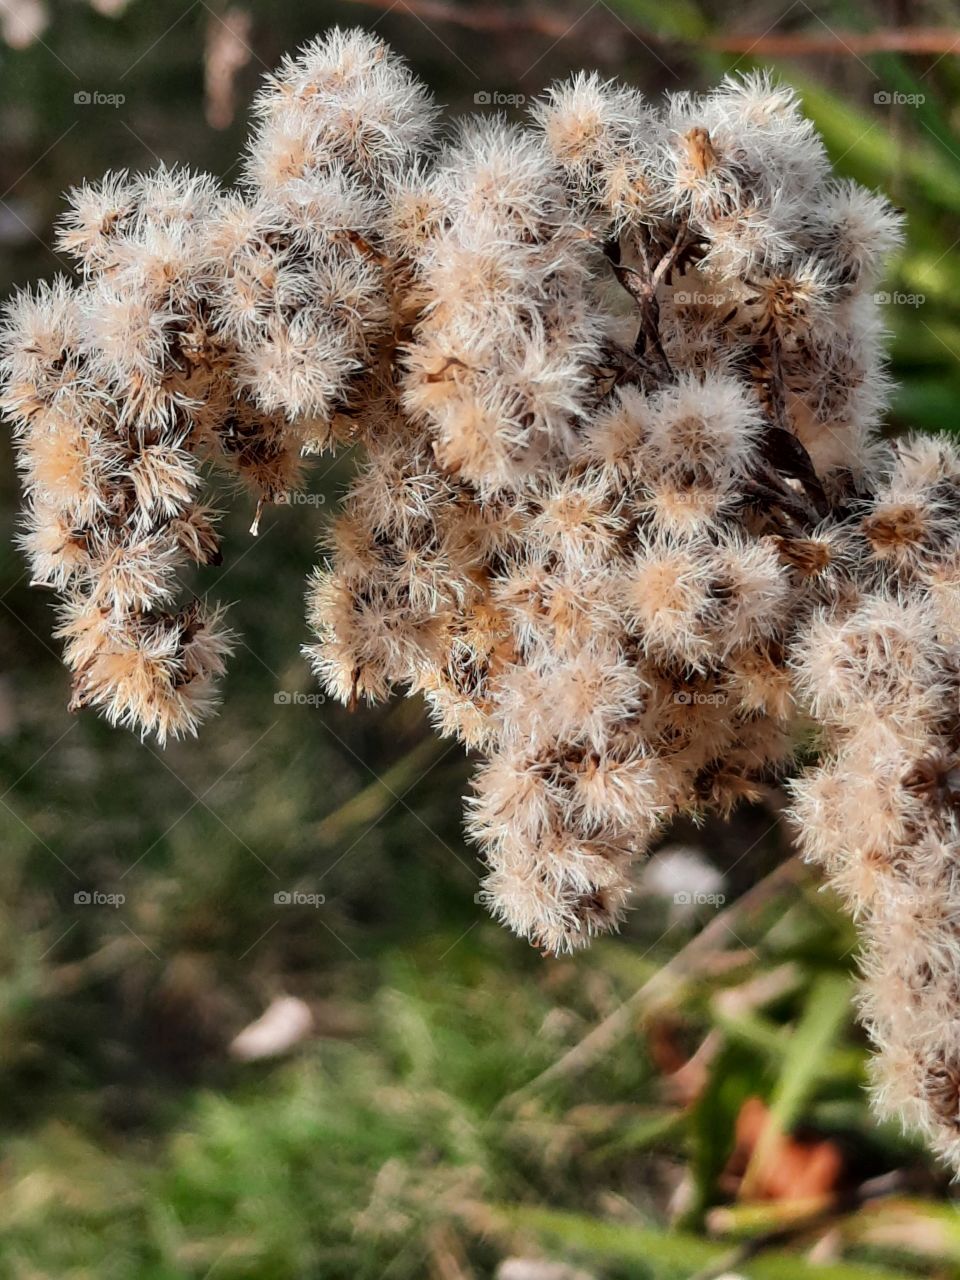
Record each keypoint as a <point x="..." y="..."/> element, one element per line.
<point x="415" y="1133"/>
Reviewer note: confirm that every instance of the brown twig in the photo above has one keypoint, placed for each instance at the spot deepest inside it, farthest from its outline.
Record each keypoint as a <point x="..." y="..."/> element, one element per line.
<point x="699" y="950"/>
<point x="642" y="287"/>
<point x="556" y="26"/>
<point x="479" y="17"/>
<point x="938" y="40"/>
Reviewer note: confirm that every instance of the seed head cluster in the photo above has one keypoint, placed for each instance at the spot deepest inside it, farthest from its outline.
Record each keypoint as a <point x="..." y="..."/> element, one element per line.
<point x="878" y="669"/>
<point x="625" y="518"/>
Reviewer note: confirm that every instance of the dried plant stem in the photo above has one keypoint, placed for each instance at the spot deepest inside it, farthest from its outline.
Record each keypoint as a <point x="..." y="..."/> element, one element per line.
<point x="694" y="957"/>
<point x="557" y="25"/>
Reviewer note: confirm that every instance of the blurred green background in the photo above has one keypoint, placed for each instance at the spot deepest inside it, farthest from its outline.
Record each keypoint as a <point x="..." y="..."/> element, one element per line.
<point x="428" y="1097"/>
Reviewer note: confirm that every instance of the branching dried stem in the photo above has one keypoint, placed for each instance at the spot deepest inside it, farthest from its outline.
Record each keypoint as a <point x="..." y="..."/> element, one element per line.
<point x="642" y="283"/>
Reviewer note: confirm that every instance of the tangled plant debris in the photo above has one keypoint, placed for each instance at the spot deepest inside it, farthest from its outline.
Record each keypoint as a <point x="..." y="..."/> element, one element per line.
<point x="625" y="519"/>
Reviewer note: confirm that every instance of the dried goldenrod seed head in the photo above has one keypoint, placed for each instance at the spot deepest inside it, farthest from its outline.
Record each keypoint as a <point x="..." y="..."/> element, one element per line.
<point x="624" y="518"/>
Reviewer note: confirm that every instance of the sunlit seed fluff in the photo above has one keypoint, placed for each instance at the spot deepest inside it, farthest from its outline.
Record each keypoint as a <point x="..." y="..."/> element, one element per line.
<point x="622" y="513"/>
<point x="855" y="231"/>
<point x="602" y="137"/>
<point x="345" y="97"/>
<point x="665" y="594"/>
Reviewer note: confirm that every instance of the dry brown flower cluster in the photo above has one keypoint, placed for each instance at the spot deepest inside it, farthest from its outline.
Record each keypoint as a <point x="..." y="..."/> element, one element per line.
<point x="625" y="519"/>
